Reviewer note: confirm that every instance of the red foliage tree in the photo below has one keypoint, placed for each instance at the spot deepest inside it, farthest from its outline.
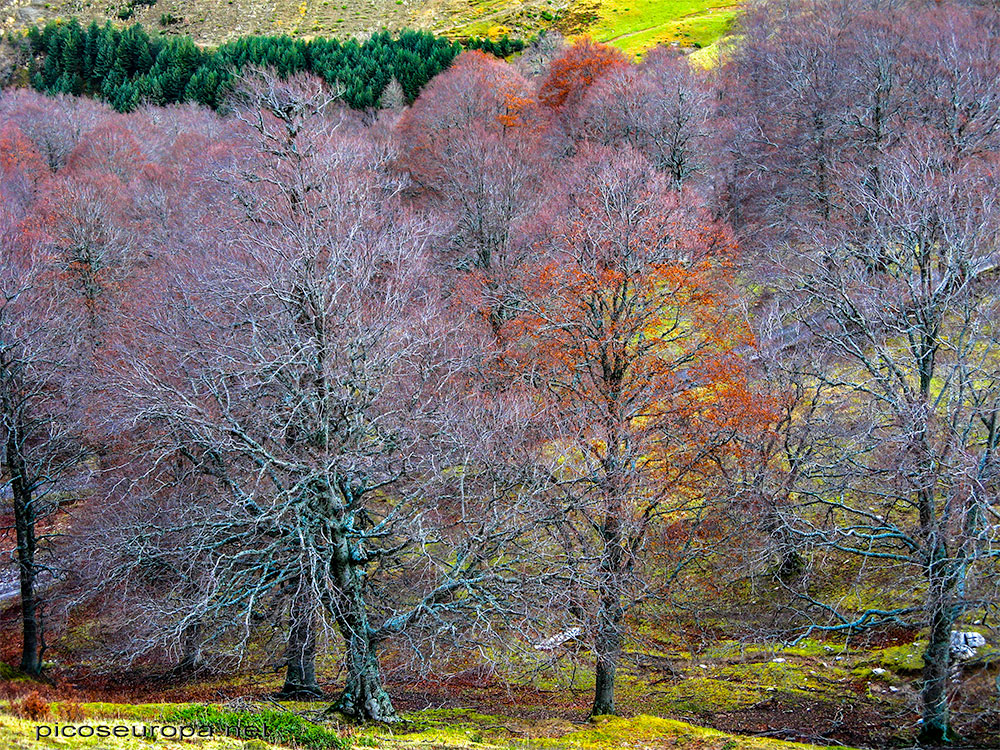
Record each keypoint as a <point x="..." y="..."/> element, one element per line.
<point x="468" y="142"/>
<point x="573" y="73"/>
<point x="625" y="336"/>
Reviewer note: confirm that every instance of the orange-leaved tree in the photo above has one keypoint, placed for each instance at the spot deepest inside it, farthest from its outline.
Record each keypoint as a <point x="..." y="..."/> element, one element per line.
<point x="626" y="337"/>
<point x="576" y="70"/>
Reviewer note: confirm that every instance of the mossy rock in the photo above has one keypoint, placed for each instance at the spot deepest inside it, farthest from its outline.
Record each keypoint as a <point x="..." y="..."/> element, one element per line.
<point x="905" y="659"/>
<point x="877" y="674"/>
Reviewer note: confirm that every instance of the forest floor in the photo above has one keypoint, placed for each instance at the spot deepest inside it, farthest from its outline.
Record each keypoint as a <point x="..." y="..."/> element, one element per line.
<point x="632" y="25"/>
<point x="432" y="730"/>
<point x="723" y="696"/>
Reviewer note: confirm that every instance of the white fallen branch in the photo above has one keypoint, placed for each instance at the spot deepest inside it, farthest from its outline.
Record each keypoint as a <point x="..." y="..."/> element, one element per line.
<point x="559" y="639"/>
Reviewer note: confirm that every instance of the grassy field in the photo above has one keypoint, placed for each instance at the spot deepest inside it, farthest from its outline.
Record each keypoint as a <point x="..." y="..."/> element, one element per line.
<point x="637" y="25"/>
<point x="632" y="25"/>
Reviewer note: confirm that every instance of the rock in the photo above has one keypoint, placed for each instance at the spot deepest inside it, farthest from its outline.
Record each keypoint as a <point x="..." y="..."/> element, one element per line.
<point x="965" y="644"/>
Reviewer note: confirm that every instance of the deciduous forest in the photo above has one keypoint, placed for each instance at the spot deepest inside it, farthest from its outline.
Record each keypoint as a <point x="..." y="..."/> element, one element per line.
<point x="405" y="393"/>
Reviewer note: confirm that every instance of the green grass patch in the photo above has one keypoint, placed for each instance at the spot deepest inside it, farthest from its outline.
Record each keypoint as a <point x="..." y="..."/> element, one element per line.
<point x="274" y="726"/>
<point x="632" y="25"/>
<point x="637" y="25"/>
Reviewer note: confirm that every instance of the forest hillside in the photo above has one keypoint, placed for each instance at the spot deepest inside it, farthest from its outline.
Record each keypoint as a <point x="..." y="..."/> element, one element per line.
<point x="504" y="393"/>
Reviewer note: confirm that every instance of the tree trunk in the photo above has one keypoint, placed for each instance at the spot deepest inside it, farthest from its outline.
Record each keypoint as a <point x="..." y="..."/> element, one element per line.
<point x="24" y="523"/>
<point x="364" y="696"/>
<point x="611" y="616"/>
<point x="300" y="655"/>
<point x="191" y="659"/>
<point x="609" y="648"/>
<point x="935" y="728"/>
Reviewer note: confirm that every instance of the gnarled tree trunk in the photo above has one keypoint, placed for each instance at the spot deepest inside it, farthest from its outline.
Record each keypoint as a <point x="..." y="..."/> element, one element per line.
<point x="364" y="696"/>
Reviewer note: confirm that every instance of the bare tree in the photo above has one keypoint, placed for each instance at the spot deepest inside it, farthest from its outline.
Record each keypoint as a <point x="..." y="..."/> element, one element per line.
<point x="660" y="108"/>
<point x="318" y="399"/>
<point x="621" y="329"/>
<point x="469" y="143"/>
<point x="899" y="359"/>
<point x="37" y="360"/>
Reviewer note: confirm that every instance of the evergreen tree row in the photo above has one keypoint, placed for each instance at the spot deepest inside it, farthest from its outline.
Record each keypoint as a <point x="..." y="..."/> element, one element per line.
<point x="128" y="66"/>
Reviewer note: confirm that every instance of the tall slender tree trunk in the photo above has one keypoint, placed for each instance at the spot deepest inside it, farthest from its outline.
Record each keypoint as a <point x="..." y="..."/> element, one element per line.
<point x="24" y="522"/>
<point x="935" y="728"/>
<point x="300" y="653"/>
<point x="611" y="614"/>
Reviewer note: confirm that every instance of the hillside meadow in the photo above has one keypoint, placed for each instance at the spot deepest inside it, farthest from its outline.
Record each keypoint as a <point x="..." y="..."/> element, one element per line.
<point x="630" y="26"/>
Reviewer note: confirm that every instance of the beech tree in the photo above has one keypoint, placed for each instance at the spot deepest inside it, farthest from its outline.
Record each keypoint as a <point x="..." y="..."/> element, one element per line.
<point x="880" y="221"/>
<point x="308" y="383"/>
<point x="37" y="369"/>
<point x="470" y="141"/>
<point x="623" y="333"/>
<point x="55" y="125"/>
<point x="659" y="108"/>
<point x="902" y="435"/>
<point x="571" y="75"/>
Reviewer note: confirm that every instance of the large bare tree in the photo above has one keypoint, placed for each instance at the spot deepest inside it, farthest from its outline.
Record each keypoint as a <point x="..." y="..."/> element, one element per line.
<point x="312" y="431"/>
<point x="38" y="362"/>
<point x="623" y="328"/>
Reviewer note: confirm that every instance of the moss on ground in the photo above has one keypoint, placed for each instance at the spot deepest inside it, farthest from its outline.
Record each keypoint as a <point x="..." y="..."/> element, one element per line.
<point x="442" y="729"/>
<point x="905" y="659"/>
<point x="646" y="731"/>
<point x="703" y="696"/>
<point x="466" y="729"/>
<point x="788" y="677"/>
<point x="24" y="734"/>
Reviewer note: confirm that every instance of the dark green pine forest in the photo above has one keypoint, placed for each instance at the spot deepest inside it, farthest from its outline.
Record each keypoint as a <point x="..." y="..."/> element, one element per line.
<point x="126" y="67"/>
